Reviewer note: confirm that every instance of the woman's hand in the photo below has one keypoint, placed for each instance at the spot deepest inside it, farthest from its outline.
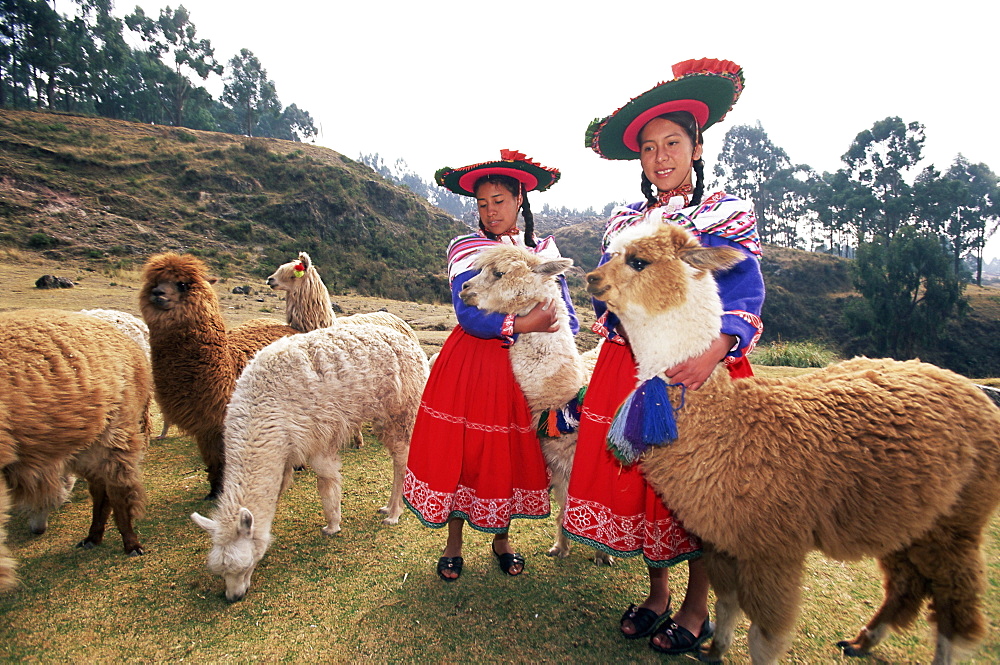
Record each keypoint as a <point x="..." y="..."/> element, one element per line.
<point x="695" y="371"/>
<point x="541" y="318"/>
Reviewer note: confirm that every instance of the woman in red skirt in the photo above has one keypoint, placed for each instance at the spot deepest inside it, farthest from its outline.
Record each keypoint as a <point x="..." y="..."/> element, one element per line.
<point x="474" y="455"/>
<point x="610" y="505"/>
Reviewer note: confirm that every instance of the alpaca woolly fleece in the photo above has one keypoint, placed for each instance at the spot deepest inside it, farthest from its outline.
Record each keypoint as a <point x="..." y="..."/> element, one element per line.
<point x="196" y="361"/>
<point x="896" y="460"/>
<point x="75" y="397"/>
<point x="299" y="401"/>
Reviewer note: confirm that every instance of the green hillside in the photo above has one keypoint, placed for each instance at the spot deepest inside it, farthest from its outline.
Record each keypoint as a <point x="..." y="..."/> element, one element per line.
<point x="114" y="192"/>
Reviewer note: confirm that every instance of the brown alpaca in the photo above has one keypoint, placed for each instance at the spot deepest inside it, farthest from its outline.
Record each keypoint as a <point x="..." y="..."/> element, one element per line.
<point x="75" y="397"/>
<point x="895" y="460"/>
<point x="196" y="361"/>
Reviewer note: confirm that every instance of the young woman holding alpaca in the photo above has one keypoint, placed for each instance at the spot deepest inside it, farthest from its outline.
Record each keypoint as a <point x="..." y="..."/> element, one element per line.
<point x="611" y="506"/>
<point x="474" y="454"/>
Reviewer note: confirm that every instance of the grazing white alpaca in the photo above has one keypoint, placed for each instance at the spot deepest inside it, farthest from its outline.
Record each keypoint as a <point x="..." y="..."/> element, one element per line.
<point x="895" y="460"/>
<point x="298" y="401"/>
<point x="547" y="366"/>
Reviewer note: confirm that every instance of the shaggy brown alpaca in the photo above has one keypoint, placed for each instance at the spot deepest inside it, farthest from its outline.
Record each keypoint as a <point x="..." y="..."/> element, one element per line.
<point x="196" y="361"/>
<point x="75" y="397"/>
<point x="895" y="460"/>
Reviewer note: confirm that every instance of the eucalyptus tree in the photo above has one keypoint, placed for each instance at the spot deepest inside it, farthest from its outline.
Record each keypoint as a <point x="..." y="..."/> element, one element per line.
<point x="879" y="160"/>
<point x="748" y="161"/>
<point x="173" y="34"/>
<point x="248" y="92"/>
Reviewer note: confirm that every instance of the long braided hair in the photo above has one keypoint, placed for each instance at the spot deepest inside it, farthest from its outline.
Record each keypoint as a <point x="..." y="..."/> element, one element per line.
<point x="689" y="125"/>
<point x="514" y="186"/>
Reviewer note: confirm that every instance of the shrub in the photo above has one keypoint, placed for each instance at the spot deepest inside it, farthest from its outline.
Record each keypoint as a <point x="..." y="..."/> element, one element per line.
<point x="794" y="354"/>
<point x="41" y="241"/>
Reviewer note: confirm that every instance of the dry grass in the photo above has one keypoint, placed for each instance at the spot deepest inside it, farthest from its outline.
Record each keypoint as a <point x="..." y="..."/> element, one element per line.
<point x="368" y="593"/>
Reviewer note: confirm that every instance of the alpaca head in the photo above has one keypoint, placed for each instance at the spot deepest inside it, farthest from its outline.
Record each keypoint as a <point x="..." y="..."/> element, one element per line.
<point x="512" y="280"/>
<point x="290" y="276"/>
<point x="654" y="269"/>
<point x="170" y="281"/>
<point x="236" y="551"/>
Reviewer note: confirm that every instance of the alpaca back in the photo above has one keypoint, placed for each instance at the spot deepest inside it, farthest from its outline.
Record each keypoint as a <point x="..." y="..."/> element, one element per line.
<point x="856" y="459"/>
<point x="313" y="390"/>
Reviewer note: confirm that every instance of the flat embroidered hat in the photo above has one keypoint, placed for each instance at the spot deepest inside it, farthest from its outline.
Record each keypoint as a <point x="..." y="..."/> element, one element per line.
<point x="706" y="88"/>
<point x="512" y="163"/>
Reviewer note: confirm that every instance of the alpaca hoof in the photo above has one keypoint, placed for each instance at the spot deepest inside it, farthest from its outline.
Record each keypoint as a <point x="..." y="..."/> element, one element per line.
<point x="708" y="657"/>
<point x="330" y="530"/>
<point x="86" y="544"/>
<point x="391" y="520"/>
<point x="851" y="649"/>
<point x="603" y="559"/>
<point x="558" y="552"/>
<point x="135" y="552"/>
<point x="384" y="510"/>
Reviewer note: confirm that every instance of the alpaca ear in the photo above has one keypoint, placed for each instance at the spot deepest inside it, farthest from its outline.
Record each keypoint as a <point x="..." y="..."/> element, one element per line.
<point x="205" y="523"/>
<point x="554" y="267"/>
<point x="305" y="260"/>
<point x="712" y="259"/>
<point x="245" y="526"/>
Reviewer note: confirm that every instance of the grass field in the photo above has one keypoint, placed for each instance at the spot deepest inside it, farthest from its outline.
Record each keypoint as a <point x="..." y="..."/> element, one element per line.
<point x="369" y="593"/>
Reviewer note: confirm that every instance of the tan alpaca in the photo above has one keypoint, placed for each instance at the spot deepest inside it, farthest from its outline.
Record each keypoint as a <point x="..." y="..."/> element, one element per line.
<point x="894" y="460"/>
<point x="75" y="395"/>
<point x="547" y="366"/>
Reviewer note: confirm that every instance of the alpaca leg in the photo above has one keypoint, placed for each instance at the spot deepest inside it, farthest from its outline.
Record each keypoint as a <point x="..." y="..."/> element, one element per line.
<point x="8" y="578"/>
<point x="127" y="500"/>
<point x="328" y="483"/>
<point x="101" y="512"/>
<point x="905" y="591"/>
<point x="950" y="558"/>
<point x="722" y="574"/>
<point x="769" y="594"/>
<point x="399" y="449"/>
<point x="210" y="446"/>
<point x="560" y="487"/>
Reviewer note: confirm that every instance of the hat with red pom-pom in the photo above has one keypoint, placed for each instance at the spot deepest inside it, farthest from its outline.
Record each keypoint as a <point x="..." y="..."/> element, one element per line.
<point x="512" y="163"/>
<point x="706" y="88"/>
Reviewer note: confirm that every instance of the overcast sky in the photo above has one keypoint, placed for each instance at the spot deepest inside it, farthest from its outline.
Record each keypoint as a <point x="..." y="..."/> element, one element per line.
<point x="444" y="83"/>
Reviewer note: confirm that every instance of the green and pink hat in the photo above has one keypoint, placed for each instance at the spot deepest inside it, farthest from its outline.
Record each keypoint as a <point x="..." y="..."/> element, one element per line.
<point x="512" y="163"/>
<point x="705" y="88"/>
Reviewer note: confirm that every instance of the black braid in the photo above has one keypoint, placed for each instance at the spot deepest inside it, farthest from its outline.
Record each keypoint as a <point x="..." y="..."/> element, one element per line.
<point x="699" y="184"/>
<point x="529" y="219"/>
<point x="647" y="190"/>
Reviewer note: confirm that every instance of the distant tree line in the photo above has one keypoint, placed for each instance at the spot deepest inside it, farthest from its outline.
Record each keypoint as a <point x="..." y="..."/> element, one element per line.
<point x="84" y="64"/>
<point x="916" y="237"/>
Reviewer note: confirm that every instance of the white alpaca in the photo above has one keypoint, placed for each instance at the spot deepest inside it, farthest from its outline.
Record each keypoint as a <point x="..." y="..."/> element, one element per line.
<point x="298" y="401"/>
<point x="900" y="461"/>
<point x="547" y="366"/>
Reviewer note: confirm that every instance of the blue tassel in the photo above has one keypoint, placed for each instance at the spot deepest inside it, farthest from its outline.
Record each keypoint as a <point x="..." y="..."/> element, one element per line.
<point x="646" y="418"/>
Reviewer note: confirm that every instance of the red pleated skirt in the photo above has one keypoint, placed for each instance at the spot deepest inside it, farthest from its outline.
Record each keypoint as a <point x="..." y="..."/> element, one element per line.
<point x="474" y="453"/>
<point x="611" y="507"/>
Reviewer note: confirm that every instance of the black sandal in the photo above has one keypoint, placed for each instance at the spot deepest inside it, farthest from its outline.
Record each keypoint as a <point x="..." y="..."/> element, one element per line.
<point x="681" y="639"/>
<point x="644" y="620"/>
<point x="450" y="563"/>
<point x="508" y="561"/>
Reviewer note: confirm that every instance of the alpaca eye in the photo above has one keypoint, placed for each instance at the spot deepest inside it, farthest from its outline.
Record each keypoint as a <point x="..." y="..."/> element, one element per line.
<point x="636" y="264"/>
<point x="497" y="274"/>
<point x="182" y="287"/>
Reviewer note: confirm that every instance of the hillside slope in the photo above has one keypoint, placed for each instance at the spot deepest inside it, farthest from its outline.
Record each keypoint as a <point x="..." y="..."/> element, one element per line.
<point x="115" y="192"/>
